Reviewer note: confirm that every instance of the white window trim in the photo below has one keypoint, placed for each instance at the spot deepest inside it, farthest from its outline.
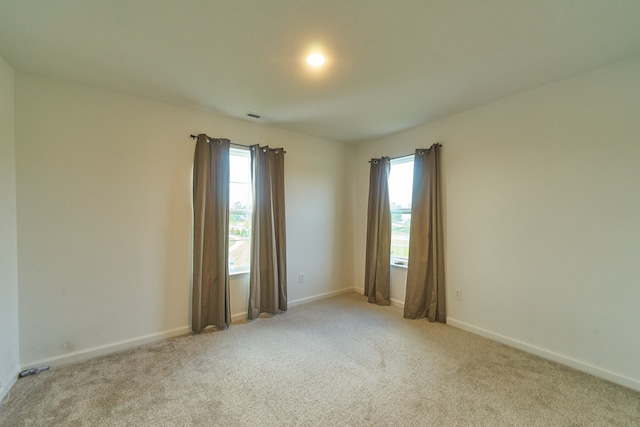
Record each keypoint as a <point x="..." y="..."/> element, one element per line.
<point x="234" y="273"/>
<point x="400" y="262"/>
<point x="244" y="269"/>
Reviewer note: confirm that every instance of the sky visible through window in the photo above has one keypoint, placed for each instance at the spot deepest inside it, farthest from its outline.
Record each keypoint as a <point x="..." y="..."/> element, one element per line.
<point x="240" y="178"/>
<point x="401" y="183"/>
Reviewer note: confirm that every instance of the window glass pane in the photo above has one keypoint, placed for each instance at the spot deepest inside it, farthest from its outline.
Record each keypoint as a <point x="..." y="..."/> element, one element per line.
<point x="401" y="183"/>
<point x="239" y="165"/>
<point x="240" y="199"/>
<point x="240" y="195"/>
<point x="400" y="188"/>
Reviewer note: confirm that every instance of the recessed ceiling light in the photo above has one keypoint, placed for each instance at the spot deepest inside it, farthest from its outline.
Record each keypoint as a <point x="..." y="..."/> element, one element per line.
<point x="315" y="59"/>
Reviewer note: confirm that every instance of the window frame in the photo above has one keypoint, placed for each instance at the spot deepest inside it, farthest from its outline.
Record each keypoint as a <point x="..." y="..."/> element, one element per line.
<point x="240" y="269"/>
<point x="399" y="261"/>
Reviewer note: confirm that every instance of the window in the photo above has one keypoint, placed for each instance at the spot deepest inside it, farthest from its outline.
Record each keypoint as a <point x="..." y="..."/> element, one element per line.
<point x="240" y="198"/>
<point x="400" y="188"/>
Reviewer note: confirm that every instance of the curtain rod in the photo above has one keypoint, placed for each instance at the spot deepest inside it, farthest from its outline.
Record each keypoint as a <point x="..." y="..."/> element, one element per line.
<point x="407" y="155"/>
<point x="209" y="139"/>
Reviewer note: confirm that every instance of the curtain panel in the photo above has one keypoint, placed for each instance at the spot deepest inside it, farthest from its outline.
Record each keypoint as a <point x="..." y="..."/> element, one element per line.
<point x="425" y="294"/>
<point x="268" y="269"/>
<point x="377" y="279"/>
<point x="210" y="297"/>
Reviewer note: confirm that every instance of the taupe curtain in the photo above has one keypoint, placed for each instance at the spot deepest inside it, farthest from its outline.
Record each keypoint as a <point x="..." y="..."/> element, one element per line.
<point x="268" y="270"/>
<point x="210" y="298"/>
<point x="377" y="277"/>
<point x="425" y="295"/>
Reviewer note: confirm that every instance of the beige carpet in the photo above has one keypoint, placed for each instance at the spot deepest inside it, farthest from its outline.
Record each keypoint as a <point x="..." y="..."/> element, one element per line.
<point x="339" y="361"/>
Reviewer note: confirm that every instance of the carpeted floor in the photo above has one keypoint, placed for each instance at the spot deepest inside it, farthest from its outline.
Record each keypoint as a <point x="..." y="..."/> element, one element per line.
<point x="336" y="362"/>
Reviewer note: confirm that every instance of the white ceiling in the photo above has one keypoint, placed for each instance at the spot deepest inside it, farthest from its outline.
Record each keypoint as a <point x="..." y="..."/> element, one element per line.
<point x="391" y="64"/>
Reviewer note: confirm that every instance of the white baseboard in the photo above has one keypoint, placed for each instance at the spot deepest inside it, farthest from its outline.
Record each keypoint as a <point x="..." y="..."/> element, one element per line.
<point x="319" y="297"/>
<point x="547" y="354"/>
<point x="293" y="303"/>
<point x="5" y="386"/>
<point x="101" y="350"/>
<point x="394" y="302"/>
<point x="89" y="353"/>
<point x="238" y="316"/>
<point x="397" y="303"/>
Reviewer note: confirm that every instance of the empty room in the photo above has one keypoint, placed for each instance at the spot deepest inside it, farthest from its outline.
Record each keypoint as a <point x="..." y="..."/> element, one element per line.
<point x="293" y="212"/>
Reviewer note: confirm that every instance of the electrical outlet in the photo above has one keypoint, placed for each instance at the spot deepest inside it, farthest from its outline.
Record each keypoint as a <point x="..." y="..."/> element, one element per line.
<point x="457" y="294"/>
<point x="301" y="278"/>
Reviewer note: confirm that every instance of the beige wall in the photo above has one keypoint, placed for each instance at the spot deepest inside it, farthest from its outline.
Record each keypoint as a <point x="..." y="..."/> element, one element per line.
<point x="104" y="207"/>
<point x="9" y="358"/>
<point x="542" y="207"/>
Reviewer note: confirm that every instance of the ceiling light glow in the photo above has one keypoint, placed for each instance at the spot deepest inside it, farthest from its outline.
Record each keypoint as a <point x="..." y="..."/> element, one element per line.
<point x="315" y="59"/>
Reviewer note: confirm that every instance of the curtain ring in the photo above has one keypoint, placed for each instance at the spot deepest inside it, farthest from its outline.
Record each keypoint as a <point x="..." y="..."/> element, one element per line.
<point x="375" y="161"/>
<point x="276" y="151"/>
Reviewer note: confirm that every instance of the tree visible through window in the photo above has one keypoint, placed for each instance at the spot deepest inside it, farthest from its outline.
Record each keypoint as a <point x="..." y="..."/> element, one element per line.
<point x="240" y="197"/>
<point x="400" y="189"/>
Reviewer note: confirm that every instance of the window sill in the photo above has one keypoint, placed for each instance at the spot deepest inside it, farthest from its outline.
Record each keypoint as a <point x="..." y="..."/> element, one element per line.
<point x="238" y="273"/>
<point x="400" y="264"/>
